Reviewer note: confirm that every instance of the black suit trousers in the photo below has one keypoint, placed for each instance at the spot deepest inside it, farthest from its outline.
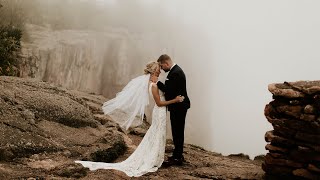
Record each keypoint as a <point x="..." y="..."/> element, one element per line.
<point x="178" y="118"/>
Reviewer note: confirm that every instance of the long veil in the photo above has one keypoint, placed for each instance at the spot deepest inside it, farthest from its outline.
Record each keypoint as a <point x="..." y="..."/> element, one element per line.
<point x="127" y="108"/>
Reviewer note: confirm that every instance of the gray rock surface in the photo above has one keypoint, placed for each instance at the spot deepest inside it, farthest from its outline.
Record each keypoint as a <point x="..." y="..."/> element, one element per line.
<point x="37" y="117"/>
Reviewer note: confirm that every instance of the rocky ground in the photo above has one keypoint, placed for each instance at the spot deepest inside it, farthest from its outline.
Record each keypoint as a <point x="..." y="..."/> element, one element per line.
<point x="44" y="129"/>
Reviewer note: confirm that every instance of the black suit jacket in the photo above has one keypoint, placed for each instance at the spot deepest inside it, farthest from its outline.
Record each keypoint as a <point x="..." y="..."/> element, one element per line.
<point x="174" y="86"/>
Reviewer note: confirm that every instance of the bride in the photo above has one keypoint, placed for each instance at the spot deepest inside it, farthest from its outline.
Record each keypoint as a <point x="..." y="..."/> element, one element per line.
<point x="132" y="100"/>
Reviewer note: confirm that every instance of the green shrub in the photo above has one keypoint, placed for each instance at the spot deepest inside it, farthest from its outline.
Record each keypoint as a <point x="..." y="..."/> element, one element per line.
<point x="9" y="47"/>
<point x="110" y="154"/>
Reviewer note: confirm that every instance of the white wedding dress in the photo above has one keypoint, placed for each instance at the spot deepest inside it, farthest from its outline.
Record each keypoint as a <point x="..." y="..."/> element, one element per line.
<point x="149" y="155"/>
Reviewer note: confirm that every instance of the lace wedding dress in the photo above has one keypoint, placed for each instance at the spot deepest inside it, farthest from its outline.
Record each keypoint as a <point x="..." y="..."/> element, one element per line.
<point x="149" y="155"/>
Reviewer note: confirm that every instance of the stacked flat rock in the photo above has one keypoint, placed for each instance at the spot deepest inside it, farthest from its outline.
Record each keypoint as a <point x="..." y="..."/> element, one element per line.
<point x="294" y="142"/>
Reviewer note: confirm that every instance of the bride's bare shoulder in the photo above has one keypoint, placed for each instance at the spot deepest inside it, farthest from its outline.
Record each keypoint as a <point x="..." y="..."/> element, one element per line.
<point x="154" y="85"/>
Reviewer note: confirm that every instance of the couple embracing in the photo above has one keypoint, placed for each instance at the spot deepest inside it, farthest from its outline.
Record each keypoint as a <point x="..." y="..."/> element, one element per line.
<point x="171" y="96"/>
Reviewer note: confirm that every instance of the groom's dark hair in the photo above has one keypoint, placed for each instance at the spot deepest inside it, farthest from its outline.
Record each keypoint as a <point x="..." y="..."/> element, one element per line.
<point x="163" y="58"/>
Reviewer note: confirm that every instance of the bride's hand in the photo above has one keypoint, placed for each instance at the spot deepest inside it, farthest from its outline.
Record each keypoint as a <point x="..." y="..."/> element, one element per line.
<point x="179" y="98"/>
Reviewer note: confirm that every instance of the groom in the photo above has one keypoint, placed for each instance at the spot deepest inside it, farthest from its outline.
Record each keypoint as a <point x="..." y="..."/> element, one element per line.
<point x="175" y="85"/>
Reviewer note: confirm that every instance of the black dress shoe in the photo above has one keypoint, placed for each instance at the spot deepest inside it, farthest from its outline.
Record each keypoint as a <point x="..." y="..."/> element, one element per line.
<point x="172" y="162"/>
<point x="171" y="158"/>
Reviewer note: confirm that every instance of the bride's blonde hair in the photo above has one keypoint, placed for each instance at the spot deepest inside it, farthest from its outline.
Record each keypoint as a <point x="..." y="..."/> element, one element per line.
<point x="151" y="67"/>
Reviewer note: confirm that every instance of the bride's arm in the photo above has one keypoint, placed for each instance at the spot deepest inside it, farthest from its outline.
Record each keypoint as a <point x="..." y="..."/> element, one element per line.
<point x="156" y="97"/>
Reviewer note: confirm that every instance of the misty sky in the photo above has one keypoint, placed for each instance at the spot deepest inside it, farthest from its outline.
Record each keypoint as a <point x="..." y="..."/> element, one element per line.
<point x="231" y="50"/>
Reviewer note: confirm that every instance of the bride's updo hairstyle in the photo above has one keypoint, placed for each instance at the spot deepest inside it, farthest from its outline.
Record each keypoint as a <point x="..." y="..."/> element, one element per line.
<point x="151" y="67"/>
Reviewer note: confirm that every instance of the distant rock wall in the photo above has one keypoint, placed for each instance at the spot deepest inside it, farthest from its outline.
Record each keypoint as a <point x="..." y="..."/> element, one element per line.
<point x="294" y="142"/>
<point x="101" y="62"/>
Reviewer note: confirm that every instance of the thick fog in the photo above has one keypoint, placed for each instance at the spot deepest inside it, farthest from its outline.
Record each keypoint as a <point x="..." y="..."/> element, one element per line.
<point x="230" y="51"/>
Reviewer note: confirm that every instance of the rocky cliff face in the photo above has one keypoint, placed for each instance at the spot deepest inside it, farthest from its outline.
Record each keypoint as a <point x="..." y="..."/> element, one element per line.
<point x="89" y="61"/>
<point x="294" y="146"/>
<point x="44" y="129"/>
